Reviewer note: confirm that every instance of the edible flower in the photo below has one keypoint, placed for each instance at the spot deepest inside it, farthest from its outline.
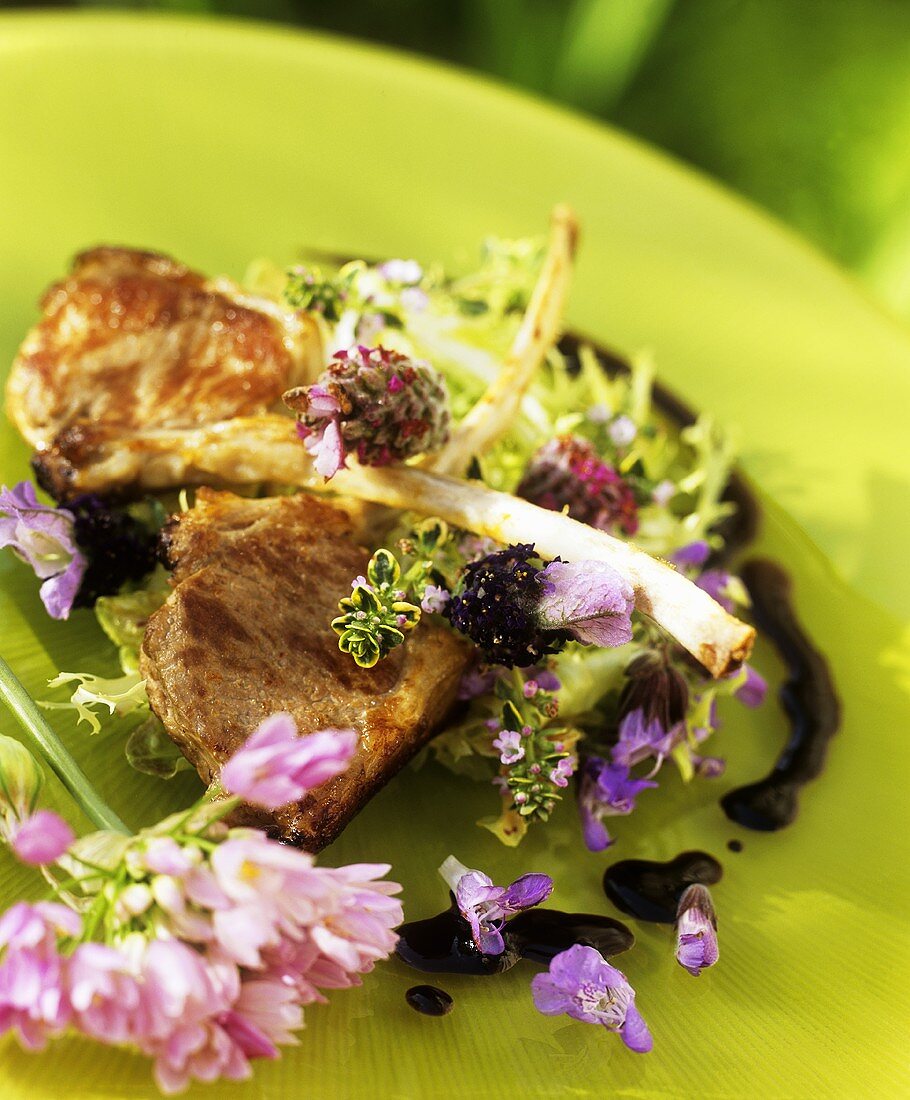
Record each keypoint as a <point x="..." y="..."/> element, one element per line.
<point x="751" y="692"/>
<point x="194" y="943"/>
<point x="567" y="472"/>
<point x="605" y="790"/>
<point x="41" y="838"/>
<point x="583" y="985"/>
<point x="276" y="766"/>
<point x="487" y="907"/>
<point x="374" y="403"/>
<point x="696" y="930"/>
<point x="44" y="537"/>
<point x="517" y="611"/>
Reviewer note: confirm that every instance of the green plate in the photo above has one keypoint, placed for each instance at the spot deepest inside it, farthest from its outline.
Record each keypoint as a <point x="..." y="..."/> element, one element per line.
<point x="221" y="143"/>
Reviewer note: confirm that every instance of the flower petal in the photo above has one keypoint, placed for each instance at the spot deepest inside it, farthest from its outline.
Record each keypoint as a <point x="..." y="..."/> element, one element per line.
<point x="590" y="599"/>
<point x="634" y="1031"/>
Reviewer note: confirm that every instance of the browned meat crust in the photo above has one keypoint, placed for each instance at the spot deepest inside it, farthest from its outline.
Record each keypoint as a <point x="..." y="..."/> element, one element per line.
<point x="134" y="341"/>
<point x="245" y="634"/>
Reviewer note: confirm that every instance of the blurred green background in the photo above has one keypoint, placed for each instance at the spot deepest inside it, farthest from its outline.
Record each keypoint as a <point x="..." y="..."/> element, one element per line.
<point x="803" y="106"/>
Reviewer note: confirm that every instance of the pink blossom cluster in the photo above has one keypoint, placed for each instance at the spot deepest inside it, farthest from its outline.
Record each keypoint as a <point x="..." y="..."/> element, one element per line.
<point x="212" y="940"/>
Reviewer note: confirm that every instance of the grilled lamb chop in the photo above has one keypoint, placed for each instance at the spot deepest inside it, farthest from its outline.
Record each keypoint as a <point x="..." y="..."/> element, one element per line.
<point x="133" y="343"/>
<point x="245" y="633"/>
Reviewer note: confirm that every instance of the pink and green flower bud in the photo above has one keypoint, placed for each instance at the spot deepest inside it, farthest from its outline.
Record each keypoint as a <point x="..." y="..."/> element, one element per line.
<point x="374" y="403"/>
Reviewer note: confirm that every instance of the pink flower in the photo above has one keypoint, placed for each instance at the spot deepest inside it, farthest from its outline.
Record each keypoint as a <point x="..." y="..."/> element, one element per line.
<point x="103" y="992"/>
<point x="32" y="996"/>
<point x="276" y="766"/>
<point x="41" y="838"/>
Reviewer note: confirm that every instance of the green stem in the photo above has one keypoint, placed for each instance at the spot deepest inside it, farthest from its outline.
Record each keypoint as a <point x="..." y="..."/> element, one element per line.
<point x="55" y="754"/>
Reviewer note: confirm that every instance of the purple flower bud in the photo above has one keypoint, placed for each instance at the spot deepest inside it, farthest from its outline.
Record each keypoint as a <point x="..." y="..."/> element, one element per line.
<point x="715" y="582"/>
<point x="693" y="555"/>
<point x="696" y="930"/>
<point x="568" y="473"/>
<point x="583" y="985"/>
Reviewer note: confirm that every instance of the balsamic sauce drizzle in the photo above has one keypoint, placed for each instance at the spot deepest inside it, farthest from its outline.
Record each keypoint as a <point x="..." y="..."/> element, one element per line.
<point x="808" y="699"/>
<point x="443" y="944"/>
<point x="429" y="999"/>
<point x="650" y="891"/>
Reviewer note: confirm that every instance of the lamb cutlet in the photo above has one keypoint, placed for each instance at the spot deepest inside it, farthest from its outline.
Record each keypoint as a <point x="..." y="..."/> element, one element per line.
<point x="133" y="343"/>
<point x="245" y="634"/>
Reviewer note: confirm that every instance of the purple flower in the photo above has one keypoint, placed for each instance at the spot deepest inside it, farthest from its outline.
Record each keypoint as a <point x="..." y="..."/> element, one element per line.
<point x="276" y="766"/>
<point x="567" y="472"/>
<point x="640" y="739"/>
<point x="696" y="930"/>
<point x="564" y="770"/>
<point x="485" y="906"/>
<point x="708" y="767"/>
<point x="694" y="555"/>
<point x="590" y="599"/>
<point x="434" y="598"/>
<point x="751" y="691"/>
<point x="44" y="538"/>
<point x="41" y="838"/>
<point x="605" y="790"/>
<point x="583" y="985"/>
<point x="510" y="747"/>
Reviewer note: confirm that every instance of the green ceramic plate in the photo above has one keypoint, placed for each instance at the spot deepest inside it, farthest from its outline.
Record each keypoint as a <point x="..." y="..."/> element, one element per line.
<point x="221" y="143"/>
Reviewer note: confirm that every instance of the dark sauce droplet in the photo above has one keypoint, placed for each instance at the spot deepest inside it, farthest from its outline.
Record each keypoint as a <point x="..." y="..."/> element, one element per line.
<point x="735" y="845"/>
<point x="429" y="1000"/>
<point x="443" y="944"/>
<point x="541" y="934"/>
<point x="651" y="891"/>
<point x="808" y="699"/>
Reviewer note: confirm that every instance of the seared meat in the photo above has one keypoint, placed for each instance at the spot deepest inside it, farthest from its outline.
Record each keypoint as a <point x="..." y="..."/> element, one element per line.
<point x="245" y="633"/>
<point x="133" y="342"/>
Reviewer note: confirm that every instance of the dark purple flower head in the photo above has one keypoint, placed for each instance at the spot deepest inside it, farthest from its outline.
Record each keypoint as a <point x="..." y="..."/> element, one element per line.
<point x="497" y="608"/>
<point x="605" y="790"/>
<point x="696" y="930"/>
<point x="583" y="985"/>
<point x="372" y="402"/>
<point x="119" y="548"/>
<point x="486" y="907"/>
<point x="568" y="473"/>
<point x="45" y="538"/>
<point x="517" y="611"/>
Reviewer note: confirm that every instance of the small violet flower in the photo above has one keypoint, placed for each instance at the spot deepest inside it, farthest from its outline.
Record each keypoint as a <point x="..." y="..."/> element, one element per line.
<point x="696" y="930"/>
<point x="486" y="907"/>
<point x="276" y="766"/>
<point x="404" y="272"/>
<point x="605" y="790"/>
<point x="583" y="985"/>
<point x="434" y="599"/>
<point x="510" y="747"/>
<point x="640" y="739"/>
<point x="564" y="770"/>
<point x="44" y="538"/>
<point x="41" y="838"/>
